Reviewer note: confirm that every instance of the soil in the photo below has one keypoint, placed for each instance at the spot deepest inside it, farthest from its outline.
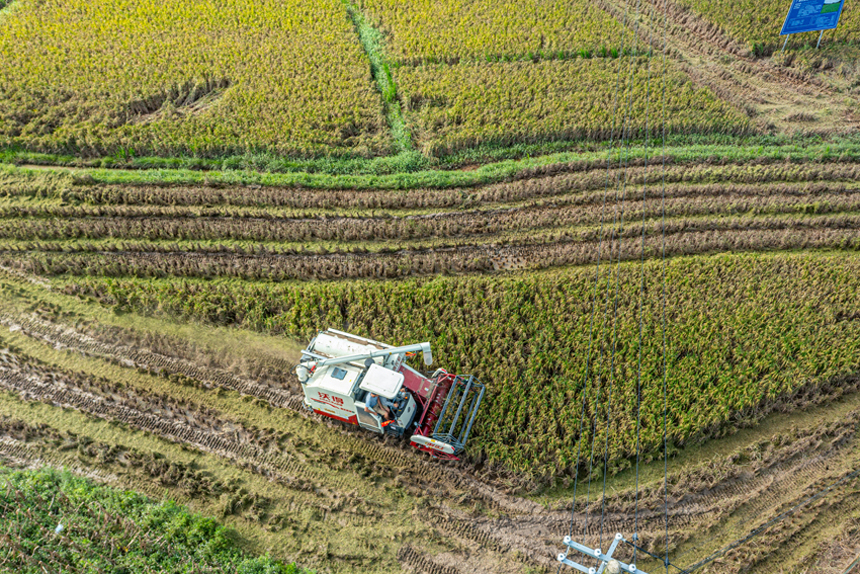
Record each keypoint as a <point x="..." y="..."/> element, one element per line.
<point x="109" y="400"/>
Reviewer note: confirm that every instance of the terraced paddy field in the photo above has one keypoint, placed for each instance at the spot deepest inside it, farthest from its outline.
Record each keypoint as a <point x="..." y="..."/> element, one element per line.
<point x="636" y="223"/>
<point x="761" y="282"/>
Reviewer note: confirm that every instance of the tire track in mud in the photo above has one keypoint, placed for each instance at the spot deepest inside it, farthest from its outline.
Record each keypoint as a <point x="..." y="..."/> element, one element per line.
<point x="526" y="527"/>
<point x="420" y="563"/>
<point x="403" y="458"/>
<point x="714" y="60"/>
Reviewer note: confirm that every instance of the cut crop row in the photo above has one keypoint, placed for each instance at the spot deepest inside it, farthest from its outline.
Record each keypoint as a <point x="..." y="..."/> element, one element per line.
<point x="683" y="238"/>
<point x="590" y="211"/>
<point x="745" y="333"/>
<point x="794" y="192"/>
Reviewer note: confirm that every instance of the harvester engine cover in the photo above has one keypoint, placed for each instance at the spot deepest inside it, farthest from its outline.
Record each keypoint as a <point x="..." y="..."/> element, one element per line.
<point x="340" y="371"/>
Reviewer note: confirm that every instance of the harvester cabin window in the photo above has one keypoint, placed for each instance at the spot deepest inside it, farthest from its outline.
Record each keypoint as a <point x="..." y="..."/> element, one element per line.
<point x="338" y="373"/>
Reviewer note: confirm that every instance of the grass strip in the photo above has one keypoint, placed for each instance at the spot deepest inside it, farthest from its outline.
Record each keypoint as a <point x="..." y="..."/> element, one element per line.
<point x="436" y="179"/>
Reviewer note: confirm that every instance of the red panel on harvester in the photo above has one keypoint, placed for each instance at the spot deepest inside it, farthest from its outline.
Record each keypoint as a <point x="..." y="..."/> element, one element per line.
<point x="416" y="383"/>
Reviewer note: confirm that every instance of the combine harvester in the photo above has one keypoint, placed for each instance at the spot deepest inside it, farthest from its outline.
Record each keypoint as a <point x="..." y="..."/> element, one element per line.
<point x="338" y="371"/>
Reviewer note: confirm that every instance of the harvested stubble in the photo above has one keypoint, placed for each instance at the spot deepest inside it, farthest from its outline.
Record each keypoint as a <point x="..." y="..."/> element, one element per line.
<point x="755" y="23"/>
<point x="565" y="247"/>
<point x="451" y="108"/>
<point x="745" y="333"/>
<point x="213" y="78"/>
<point x="586" y="209"/>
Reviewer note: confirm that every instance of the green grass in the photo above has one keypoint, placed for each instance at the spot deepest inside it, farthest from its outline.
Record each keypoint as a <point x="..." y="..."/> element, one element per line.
<point x="410" y="161"/>
<point x="372" y="41"/>
<point x="778" y="150"/>
<point x="111" y="530"/>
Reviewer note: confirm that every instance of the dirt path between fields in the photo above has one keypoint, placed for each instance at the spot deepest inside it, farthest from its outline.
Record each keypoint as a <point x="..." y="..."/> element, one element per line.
<point x="777" y="99"/>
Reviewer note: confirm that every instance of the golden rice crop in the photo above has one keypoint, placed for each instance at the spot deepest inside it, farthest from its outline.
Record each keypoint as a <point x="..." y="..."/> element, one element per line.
<point x="450" y="108"/>
<point x="206" y="77"/>
<point x="425" y="30"/>
<point x="746" y="334"/>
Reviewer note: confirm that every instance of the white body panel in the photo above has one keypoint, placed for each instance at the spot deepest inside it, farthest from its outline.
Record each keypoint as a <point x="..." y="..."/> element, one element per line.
<point x="384" y="382"/>
<point x="340" y="346"/>
<point x="432" y="443"/>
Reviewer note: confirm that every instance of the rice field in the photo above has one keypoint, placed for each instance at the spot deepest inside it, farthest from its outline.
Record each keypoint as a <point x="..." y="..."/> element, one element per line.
<point x="187" y="78"/>
<point x="190" y="191"/>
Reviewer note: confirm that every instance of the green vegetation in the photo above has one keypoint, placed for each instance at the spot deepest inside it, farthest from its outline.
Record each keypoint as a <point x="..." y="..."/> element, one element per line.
<point x="109" y="530"/>
<point x="422" y="31"/>
<point x="746" y="334"/>
<point x="124" y="78"/>
<point x="768" y="150"/>
<point x="371" y="41"/>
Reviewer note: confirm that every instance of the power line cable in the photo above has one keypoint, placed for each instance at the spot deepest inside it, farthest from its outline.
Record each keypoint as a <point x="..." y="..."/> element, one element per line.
<point x="586" y="379"/>
<point x="663" y="319"/>
<point x="642" y="279"/>
<point x="621" y="195"/>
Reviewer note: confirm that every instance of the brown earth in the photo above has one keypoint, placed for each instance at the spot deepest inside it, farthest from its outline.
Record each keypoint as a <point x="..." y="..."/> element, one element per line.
<point x="124" y="406"/>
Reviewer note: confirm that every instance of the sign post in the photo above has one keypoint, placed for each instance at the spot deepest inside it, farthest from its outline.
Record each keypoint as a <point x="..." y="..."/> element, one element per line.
<point x="811" y="16"/>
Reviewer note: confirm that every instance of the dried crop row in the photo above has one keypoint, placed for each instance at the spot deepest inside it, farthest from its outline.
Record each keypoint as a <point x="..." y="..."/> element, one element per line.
<point x="241" y="446"/>
<point x="746" y="332"/>
<point x="468" y="207"/>
<point x="289" y="77"/>
<point x="451" y="108"/>
<point x="685" y="237"/>
<point x="132" y="356"/>
<point x="585" y="210"/>
<point x="550" y="181"/>
<point x="420" y="31"/>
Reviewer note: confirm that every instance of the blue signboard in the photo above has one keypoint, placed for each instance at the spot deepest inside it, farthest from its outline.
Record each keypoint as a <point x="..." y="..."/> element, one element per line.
<point x="811" y="16"/>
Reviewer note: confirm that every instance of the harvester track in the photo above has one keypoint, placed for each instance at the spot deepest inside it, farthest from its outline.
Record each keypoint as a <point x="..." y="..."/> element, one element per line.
<point x="404" y="458"/>
<point x="530" y="529"/>
<point x="769" y="93"/>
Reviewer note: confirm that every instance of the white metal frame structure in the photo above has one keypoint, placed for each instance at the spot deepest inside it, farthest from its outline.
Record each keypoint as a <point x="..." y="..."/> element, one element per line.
<point x="608" y="563"/>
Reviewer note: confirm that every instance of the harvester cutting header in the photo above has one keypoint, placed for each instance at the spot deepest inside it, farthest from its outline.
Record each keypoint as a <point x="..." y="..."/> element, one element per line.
<point x="347" y="377"/>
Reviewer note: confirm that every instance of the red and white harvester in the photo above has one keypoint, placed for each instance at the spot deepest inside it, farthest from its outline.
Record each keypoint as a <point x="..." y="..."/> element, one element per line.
<point x="338" y="371"/>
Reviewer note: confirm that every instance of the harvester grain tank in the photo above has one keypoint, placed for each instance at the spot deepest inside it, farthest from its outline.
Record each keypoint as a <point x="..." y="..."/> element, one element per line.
<point x="339" y="370"/>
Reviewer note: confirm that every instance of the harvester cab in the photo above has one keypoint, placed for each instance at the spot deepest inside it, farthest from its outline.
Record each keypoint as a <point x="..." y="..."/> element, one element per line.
<point x="338" y="372"/>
